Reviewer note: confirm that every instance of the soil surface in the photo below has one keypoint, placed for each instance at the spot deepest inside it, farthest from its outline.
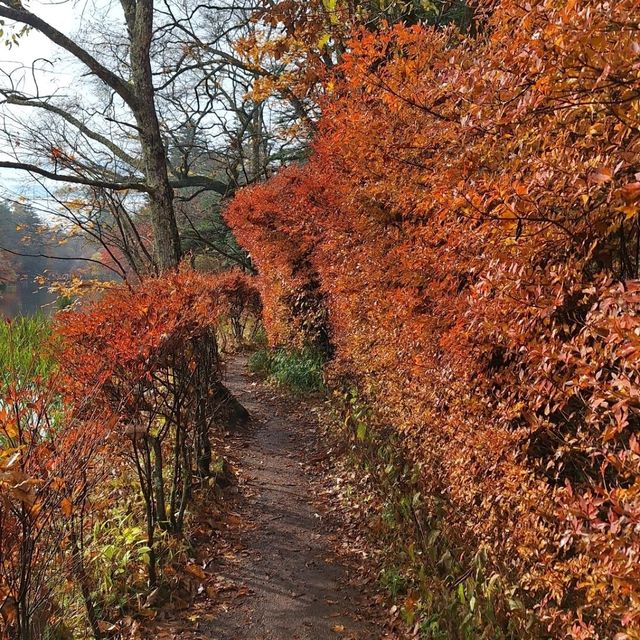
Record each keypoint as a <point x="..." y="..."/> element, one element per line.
<point x="288" y="582"/>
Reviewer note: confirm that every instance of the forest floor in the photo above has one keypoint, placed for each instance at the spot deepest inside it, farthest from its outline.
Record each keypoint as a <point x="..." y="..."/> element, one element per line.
<point x="280" y="566"/>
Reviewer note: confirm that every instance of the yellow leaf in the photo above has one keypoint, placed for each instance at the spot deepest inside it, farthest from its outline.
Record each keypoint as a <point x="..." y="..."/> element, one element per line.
<point x="324" y="40"/>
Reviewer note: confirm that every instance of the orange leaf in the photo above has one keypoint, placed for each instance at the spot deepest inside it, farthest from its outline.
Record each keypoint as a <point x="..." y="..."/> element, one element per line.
<point x="67" y="507"/>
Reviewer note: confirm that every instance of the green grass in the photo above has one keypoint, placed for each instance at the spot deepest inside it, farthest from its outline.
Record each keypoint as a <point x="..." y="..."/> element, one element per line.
<point x="24" y="350"/>
<point x="26" y="366"/>
<point x="418" y="564"/>
<point x="299" y="370"/>
<point x="393" y="581"/>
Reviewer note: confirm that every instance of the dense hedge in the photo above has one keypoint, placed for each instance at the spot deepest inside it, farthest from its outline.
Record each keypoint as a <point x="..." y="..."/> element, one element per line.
<point x="466" y="237"/>
<point x="103" y="451"/>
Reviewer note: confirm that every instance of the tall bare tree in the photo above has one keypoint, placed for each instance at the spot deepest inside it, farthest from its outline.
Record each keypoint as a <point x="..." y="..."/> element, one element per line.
<point x="167" y="111"/>
<point x="137" y="92"/>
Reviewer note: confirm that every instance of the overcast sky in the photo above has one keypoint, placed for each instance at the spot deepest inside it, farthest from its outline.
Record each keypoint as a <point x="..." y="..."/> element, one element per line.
<point x="67" y="16"/>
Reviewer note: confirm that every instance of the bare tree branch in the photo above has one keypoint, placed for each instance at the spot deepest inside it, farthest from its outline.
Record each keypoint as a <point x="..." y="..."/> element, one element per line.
<point x="14" y="11"/>
<point x="25" y="101"/>
<point x="73" y="179"/>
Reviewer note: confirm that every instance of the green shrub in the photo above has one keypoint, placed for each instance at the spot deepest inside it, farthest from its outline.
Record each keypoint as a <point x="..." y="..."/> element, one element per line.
<point x="393" y="581"/>
<point x="260" y="362"/>
<point x="117" y="549"/>
<point x="299" y="370"/>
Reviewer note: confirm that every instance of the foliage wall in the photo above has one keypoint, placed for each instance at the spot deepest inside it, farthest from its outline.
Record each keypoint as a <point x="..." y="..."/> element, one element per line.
<point x="466" y="235"/>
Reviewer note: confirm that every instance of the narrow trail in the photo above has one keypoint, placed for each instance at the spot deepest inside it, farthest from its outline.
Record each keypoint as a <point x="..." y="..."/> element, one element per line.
<point x="291" y="585"/>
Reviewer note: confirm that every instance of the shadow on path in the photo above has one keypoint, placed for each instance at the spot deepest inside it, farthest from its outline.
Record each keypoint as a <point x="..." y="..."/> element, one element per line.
<point x="292" y="585"/>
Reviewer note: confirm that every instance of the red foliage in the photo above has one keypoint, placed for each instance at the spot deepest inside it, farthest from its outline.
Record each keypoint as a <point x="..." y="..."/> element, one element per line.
<point x="279" y="222"/>
<point x="124" y="337"/>
<point x="150" y="354"/>
<point x="470" y="220"/>
<point x="48" y="472"/>
<point x="127" y="334"/>
<point x="139" y="371"/>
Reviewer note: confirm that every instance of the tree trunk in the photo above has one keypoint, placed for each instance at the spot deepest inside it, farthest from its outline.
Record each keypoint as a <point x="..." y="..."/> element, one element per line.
<point x="139" y="16"/>
<point x="138" y="93"/>
<point x="158" y="483"/>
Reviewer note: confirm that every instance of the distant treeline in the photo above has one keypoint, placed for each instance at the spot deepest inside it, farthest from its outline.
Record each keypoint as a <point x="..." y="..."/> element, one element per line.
<point x="33" y="253"/>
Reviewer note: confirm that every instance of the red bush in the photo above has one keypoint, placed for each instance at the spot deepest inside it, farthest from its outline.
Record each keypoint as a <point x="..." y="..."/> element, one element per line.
<point x="150" y="354"/>
<point x="137" y="383"/>
<point x="470" y="221"/>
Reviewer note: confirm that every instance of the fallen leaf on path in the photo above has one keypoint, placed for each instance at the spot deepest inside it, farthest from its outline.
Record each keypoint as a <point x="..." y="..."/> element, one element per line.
<point x="235" y="519"/>
<point x="107" y="628"/>
<point x="196" y="571"/>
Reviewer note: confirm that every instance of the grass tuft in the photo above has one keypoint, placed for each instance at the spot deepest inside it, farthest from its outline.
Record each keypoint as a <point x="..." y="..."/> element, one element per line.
<point x="25" y="352"/>
<point x="299" y="370"/>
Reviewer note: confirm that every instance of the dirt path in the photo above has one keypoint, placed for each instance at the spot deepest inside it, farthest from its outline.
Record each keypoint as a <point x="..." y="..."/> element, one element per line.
<point x="289" y="584"/>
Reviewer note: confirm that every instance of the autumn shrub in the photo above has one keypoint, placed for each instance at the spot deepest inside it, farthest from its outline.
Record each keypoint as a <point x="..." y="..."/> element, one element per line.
<point x="464" y="242"/>
<point x="382" y="491"/>
<point x="48" y="456"/>
<point x="241" y="326"/>
<point x="278" y="220"/>
<point x="101" y="457"/>
<point x="151" y="353"/>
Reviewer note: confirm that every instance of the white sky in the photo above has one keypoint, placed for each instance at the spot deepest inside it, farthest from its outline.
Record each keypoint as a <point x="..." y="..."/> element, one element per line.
<point x="66" y="16"/>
